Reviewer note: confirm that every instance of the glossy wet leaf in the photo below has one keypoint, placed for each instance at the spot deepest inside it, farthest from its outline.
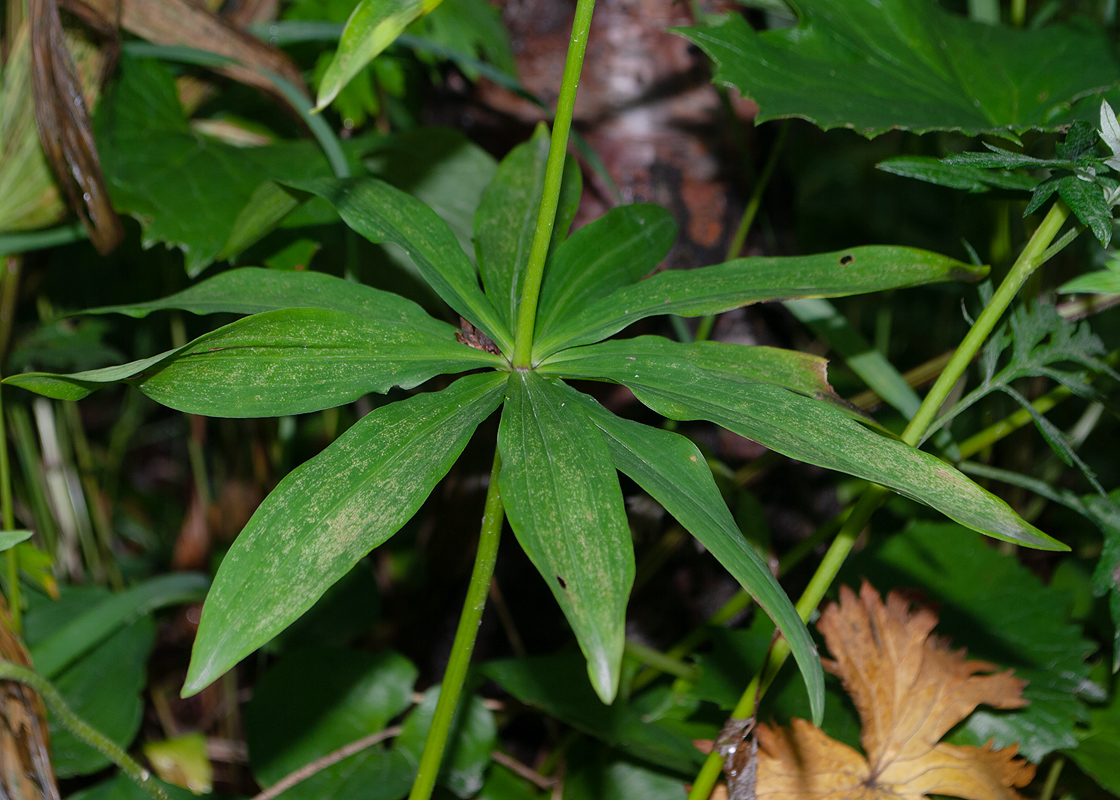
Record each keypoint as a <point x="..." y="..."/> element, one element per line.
<point x="666" y="379"/>
<point x="185" y="189"/>
<point x="994" y="606"/>
<point x="282" y="362"/>
<point x="876" y="65"/>
<point x="563" y="500"/>
<point x="676" y="475"/>
<point x="103" y="687"/>
<point x="474" y="735"/>
<point x="382" y="213"/>
<point x="722" y="287"/>
<point x="328" y="513"/>
<point x="618" y="249"/>
<point x="506" y="221"/>
<point x="290" y="721"/>
<point x="558" y="686"/>
<point x="372" y="26"/>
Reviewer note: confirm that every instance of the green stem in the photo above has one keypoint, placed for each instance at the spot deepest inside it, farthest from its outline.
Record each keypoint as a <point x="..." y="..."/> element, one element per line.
<point x="80" y="728"/>
<point x="550" y="196"/>
<point x="492" y="517"/>
<point x="661" y="661"/>
<point x="1029" y="260"/>
<point x="810" y="599"/>
<point x="704" y="329"/>
<point x="1033" y="255"/>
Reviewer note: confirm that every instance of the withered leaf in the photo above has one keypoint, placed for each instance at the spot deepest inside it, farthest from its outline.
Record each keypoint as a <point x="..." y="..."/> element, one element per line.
<point x="909" y="688"/>
<point x="25" y="765"/>
<point x="64" y="126"/>
<point x="183" y="22"/>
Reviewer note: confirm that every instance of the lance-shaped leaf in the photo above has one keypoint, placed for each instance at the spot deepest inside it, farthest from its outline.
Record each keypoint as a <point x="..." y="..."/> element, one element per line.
<point x="373" y="26"/>
<point x="281" y="362"/>
<point x="564" y="504"/>
<point x="804" y="373"/>
<point x="506" y="219"/>
<point x="253" y="290"/>
<point x="722" y="287"/>
<point x="804" y="428"/>
<point x="328" y="513"/>
<point x="676" y="475"/>
<point x="383" y="214"/>
<point x="874" y="65"/>
<point x="618" y="249"/>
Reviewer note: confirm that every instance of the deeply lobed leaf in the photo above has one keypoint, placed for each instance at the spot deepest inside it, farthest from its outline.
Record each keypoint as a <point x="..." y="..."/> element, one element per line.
<point x="877" y="65"/>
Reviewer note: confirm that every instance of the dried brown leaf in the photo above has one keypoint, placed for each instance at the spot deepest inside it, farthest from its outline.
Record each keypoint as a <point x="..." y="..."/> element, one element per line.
<point x="64" y="126"/>
<point x="25" y="765"/>
<point x="182" y="22"/>
<point x="909" y="688"/>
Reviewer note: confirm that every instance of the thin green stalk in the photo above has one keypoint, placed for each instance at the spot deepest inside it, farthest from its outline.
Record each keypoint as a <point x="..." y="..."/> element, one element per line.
<point x="1052" y="778"/>
<point x="810" y="599"/>
<point x="1029" y="260"/>
<point x="704" y="329"/>
<point x="1033" y="256"/>
<point x="492" y="517"/>
<point x="663" y="662"/>
<point x="80" y="728"/>
<point x="550" y="197"/>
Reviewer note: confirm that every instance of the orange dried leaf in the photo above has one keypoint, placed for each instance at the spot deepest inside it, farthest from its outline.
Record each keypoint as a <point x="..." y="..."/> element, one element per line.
<point x="909" y="689"/>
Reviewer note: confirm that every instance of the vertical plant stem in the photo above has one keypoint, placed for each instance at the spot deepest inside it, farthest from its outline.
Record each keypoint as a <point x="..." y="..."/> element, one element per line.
<point x="492" y="517"/>
<point x="1033" y="256"/>
<point x="1028" y="261"/>
<point x="550" y="197"/>
<point x="80" y="728"/>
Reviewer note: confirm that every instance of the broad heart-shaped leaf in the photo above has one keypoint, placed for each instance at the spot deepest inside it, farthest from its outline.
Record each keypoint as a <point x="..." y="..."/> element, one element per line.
<point x="282" y="362"/>
<point x="253" y="290"/>
<point x="618" y="249"/>
<point x="874" y="65"/>
<point x="187" y="190"/>
<point x="664" y="378"/>
<point x="676" y="475"/>
<point x="373" y="26"/>
<point x="383" y="214"/>
<point x="506" y="220"/>
<point x="328" y="513"/>
<point x="564" y="504"/>
<point x="722" y="287"/>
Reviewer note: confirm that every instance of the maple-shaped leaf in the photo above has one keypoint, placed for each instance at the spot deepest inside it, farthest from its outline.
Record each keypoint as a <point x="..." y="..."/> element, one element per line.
<point x="909" y="688"/>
